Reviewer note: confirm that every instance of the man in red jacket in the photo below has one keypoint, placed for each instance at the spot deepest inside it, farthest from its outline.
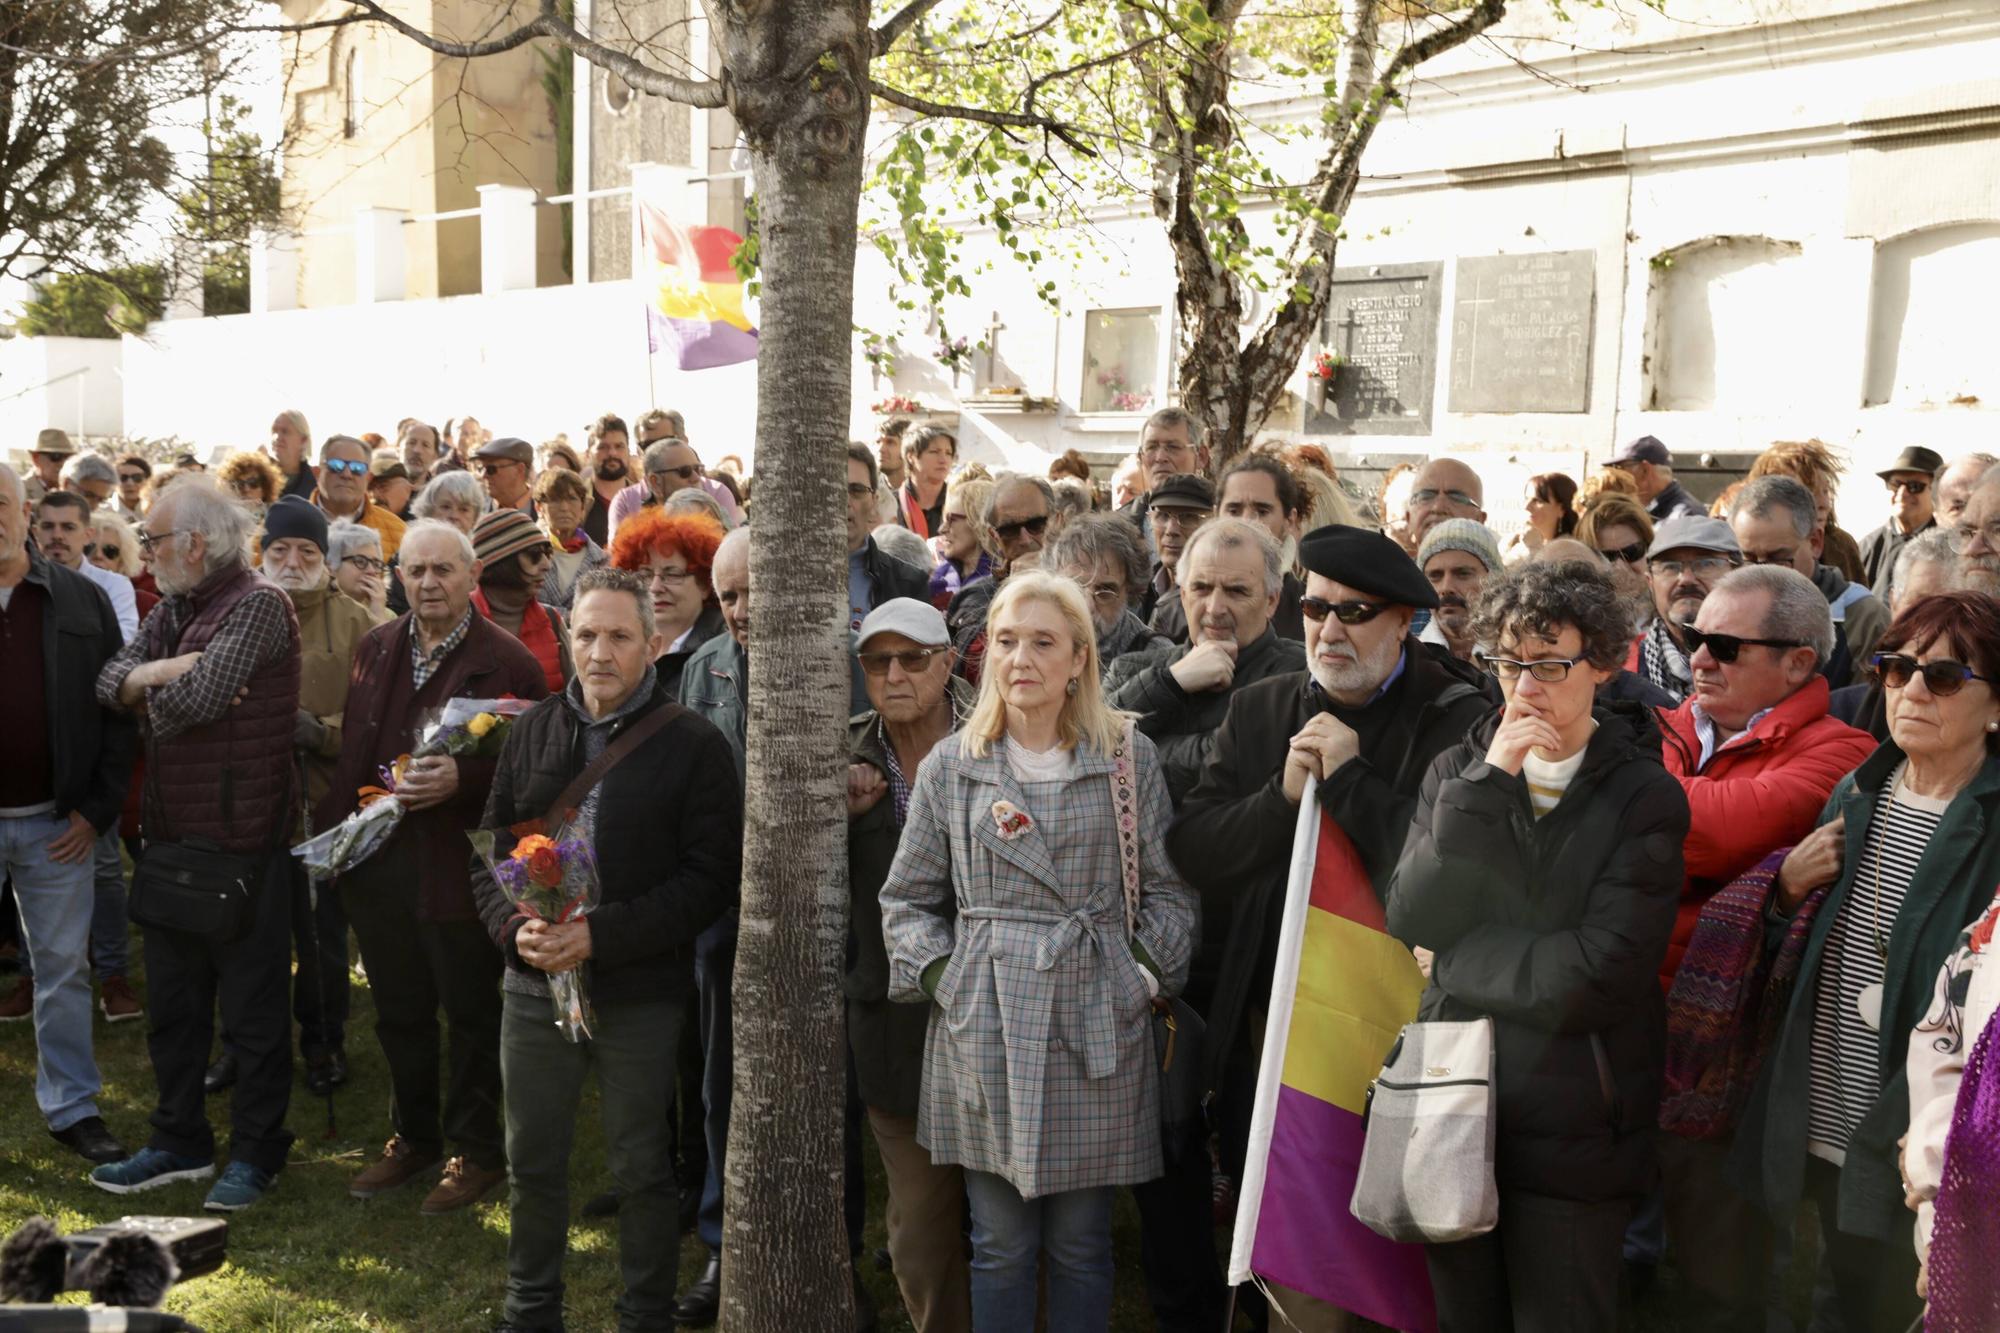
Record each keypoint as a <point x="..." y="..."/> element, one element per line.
<point x="1757" y="755"/>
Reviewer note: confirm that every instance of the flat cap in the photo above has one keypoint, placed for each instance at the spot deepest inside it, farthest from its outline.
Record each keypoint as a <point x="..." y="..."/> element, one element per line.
<point x="1916" y="458"/>
<point x="1183" y="490"/>
<point x="53" y="441"/>
<point x="507" y="446"/>
<point x="1365" y="559"/>
<point x="1462" y="534"/>
<point x="503" y="532"/>
<point x="387" y="463"/>
<point x="919" y="622"/>
<point x="1645" y="449"/>
<point x="1696" y="532"/>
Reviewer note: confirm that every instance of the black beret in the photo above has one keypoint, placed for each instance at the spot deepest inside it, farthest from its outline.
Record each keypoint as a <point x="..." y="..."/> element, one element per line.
<point x="1365" y="559"/>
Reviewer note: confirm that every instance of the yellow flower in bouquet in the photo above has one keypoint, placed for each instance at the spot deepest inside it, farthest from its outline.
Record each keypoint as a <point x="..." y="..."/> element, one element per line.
<point x="481" y="723"/>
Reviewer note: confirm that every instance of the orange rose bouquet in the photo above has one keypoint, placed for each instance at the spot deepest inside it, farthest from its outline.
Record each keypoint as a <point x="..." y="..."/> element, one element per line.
<point x="552" y="879"/>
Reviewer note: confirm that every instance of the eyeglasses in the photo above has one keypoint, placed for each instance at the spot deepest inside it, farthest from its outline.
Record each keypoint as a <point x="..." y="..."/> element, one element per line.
<point x="147" y="540"/>
<point x="353" y="467"/>
<point x="1630" y="555"/>
<point x="1724" y="647"/>
<point x="1034" y="527"/>
<point x="248" y="486"/>
<point x="685" y="472"/>
<point x="1961" y="536"/>
<point x="367" y="564"/>
<point x="1347" y="613"/>
<point x="1943" y="677"/>
<point x="671" y="577"/>
<point x="1708" y="567"/>
<point x="857" y="490"/>
<point x="132" y="478"/>
<point x="1429" y="495"/>
<point x="490" y="469"/>
<point x="1181" y="518"/>
<point x="1104" y="594"/>
<point x="912" y="660"/>
<point x="1913" y="487"/>
<point x="1788" y="558"/>
<point x="1164" y="449"/>
<point x="1547" y="670"/>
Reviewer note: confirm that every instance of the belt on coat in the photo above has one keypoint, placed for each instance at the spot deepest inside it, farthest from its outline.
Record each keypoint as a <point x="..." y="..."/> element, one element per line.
<point x="1067" y="931"/>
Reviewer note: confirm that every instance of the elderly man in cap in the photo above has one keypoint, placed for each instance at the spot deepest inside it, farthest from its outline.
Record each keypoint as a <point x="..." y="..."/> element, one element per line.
<point x="506" y="468"/>
<point x="1776" y="523"/>
<point x="331" y="626"/>
<point x="1175" y="510"/>
<point x="343" y="492"/>
<point x="1687" y="558"/>
<point x="1366" y="718"/>
<point x="52" y="449"/>
<point x="916" y="701"/>
<point x="1456" y="555"/>
<point x="514" y="558"/>
<point x="1651" y="468"/>
<point x="1912" y="485"/>
<point x="411" y="902"/>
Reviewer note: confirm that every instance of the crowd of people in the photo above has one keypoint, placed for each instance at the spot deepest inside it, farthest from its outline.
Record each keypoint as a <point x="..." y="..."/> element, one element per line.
<point x="1693" y="801"/>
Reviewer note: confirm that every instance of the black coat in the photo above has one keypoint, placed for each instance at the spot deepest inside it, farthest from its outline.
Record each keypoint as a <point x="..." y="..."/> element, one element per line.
<point x="92" y="747"/>
<point x="1556" y="927"/>
<point x="1182" y="725"/>
<point x="1232" y="839"/>
<point x="668" y="833"/>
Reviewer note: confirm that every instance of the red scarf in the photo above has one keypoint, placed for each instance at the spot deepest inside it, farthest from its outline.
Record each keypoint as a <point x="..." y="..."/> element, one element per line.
<point x="913" y="513"/>
<point x="574" y="542"/>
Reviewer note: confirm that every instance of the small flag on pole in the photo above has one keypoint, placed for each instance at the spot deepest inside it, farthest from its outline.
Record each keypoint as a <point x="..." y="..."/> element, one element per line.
<point x="1342" y="990"/>
<point x="694" y="297"/>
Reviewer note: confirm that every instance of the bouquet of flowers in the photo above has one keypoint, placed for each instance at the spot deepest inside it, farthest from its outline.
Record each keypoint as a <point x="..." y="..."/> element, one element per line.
<point x="552" y="879"/>
<point x="464" y="727"/>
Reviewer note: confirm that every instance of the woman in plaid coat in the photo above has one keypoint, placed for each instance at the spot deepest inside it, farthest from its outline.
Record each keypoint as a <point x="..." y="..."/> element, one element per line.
<point x="1007" y="907"/>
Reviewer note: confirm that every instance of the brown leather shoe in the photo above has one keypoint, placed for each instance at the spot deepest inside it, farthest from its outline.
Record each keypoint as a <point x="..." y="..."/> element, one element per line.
<point x="463" y="1184"/>
<point x="399" y="1164"/>
<point x="119" y="1001"/>
<point x="19" y="1002"/>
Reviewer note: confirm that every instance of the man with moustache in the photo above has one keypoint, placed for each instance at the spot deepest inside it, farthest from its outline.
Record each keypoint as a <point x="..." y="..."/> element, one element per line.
<point x="608" y="463"/>
<point x="1456" y="555"/>
<point x="1366" y="718"/>
<point x="1689" y="555"/>
<point x="1176" y="508"/>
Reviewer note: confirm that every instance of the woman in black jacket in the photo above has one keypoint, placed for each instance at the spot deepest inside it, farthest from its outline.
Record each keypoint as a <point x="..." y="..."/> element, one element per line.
<point x="1541" y="876"/>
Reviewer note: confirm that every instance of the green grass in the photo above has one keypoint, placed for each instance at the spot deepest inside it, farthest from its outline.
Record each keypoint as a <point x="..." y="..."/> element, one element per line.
<point x="311" y="1258"/>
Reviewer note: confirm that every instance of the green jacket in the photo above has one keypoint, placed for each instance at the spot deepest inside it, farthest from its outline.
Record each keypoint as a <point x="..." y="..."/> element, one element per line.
<point x="1953" y="881"/>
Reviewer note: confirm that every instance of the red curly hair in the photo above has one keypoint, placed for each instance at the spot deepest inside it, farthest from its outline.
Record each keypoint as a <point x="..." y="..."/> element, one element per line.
<point x="655" y="532"/>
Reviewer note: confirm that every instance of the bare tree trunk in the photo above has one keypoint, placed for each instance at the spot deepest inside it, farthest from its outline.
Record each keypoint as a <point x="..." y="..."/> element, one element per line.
<point x="786" y="1263"/>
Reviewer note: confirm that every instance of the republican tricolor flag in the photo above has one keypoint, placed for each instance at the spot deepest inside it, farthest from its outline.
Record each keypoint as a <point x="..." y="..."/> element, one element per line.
<point x="1342" y="990"/>
<point x="694" y="299"/>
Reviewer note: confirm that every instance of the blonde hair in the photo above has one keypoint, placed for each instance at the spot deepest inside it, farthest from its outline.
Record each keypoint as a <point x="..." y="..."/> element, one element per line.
<point x="103" y="521"/>
<point x="1086" y="720"/>
<point x="971" y="492"/>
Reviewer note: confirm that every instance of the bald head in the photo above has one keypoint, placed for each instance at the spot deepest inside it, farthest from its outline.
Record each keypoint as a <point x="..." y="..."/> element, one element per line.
<point x="13" y="520"/>
<point x="1569" y="548"/>
<point x="731" y="576"/>
<point x="1445" y="488"/>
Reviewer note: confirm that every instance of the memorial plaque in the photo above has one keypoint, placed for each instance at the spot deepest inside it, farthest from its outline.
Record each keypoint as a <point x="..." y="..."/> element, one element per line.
<point x="1382" y="326"/>
<point x="1521" y="332"/>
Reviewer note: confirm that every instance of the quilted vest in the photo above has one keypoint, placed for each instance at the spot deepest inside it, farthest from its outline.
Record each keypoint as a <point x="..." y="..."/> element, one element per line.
<point x="229" y="782"/>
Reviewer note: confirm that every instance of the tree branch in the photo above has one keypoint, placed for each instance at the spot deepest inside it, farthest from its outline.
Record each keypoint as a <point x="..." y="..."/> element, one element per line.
<point x="1006" y="120"/>
<point x="900" y="22"/>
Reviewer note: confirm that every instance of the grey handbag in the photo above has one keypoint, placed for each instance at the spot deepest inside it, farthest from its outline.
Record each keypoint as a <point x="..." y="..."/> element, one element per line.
<point x="1426" y="1170"/>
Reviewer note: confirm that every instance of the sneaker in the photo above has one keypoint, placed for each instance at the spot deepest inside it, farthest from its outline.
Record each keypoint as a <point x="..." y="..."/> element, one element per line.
<point x="242" y="1184"/>
<point x="463" y="1184"/>
<point x="149" y="1168"/>
<point x="399" y="1164"/>
<point x="20" y="1002"/>
<point x="119" y="1001"/>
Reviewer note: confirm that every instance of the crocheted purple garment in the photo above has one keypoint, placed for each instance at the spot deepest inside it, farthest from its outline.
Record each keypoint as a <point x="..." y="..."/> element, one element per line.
<point x="1965" y="1238"/>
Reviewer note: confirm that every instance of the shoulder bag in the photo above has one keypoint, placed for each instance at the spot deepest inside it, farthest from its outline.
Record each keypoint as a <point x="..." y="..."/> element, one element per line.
<point x="1426" y="1172"/>
<point x="1178" y="1031"/>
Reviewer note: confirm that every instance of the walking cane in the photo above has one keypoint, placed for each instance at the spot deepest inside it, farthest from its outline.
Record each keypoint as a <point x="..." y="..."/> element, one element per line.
<point x="312" y="928"/>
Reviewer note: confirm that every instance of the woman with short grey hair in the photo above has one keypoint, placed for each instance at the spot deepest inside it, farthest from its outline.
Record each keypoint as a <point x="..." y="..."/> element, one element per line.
<point x="455" y="497"/>
<point x="691" y="499"/>
<point x="354" y="555"/>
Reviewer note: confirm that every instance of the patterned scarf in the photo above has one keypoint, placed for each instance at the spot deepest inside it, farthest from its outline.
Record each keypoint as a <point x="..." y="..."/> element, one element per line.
<point x="1964" y="1282"/>
<point x="1662" y="661"/>
<point x="575" y="542"/>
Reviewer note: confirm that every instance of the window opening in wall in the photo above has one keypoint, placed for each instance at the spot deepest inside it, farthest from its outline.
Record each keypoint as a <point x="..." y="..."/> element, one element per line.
<point x="1121" y="360"/>
<point x="1930" y="318"/>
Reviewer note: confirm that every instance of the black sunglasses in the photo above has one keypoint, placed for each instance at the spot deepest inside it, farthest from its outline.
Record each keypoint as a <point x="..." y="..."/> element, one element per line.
<point x="1724" y="647"/>
<point x="685" y="471"/>
<point x="1942" y="677"/>
<point x="1347" y="613"/>
<point x="1034" y="527"/>
<point x="912" y="660"/>
<point x="132" y="478"/>
<point x="1630" y="555"/>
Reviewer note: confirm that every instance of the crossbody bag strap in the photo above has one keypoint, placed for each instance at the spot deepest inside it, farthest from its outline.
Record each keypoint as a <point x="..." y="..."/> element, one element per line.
<point x="622" y="745"/>
<point x="1125" y="808"/>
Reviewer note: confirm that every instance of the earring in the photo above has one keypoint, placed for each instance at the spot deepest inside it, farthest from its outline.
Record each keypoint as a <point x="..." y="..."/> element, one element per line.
<point x="1070" y="690"/>
<point x="1990" y="726"/>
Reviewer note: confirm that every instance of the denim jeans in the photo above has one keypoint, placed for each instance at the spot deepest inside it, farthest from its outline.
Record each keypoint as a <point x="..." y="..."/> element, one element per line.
<point x="110" y="946"/>
<point x="543" y="1075"/>
<point x="1072" y="1228"/>
<point x="714" y="974"/>
<point x="55" y="908"/>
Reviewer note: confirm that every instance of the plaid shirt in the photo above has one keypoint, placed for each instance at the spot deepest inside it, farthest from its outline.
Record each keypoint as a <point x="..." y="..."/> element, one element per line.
<point x="256" y="634"/>
<point x="899" y="786"/>
<point x="424" y="665"/>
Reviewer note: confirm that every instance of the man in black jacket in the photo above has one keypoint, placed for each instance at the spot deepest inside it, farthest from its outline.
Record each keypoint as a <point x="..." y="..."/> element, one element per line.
<point x="664" y="822"/>
<point x="69" y="760"/>
<point x="873" y="575"/>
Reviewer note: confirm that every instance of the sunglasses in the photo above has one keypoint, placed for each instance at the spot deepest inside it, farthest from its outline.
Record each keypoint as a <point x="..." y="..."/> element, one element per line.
<point x="491" y="469"/>
<point x="1943" y="677"/>
<point x="912" y="660"/>
<point x="1630" y="555"/>
<point x="1913" y="487"/>
<point x="132" y="478"/>
<point x="1724" y="647"/>
<point x="1347" y="613"/>
<point x="108" y="552"/>
<point x="353" y="467"/>
<point x="1547" y="670"/>
<point x="1034" y="527"/>
<point x="685" y="471"/>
